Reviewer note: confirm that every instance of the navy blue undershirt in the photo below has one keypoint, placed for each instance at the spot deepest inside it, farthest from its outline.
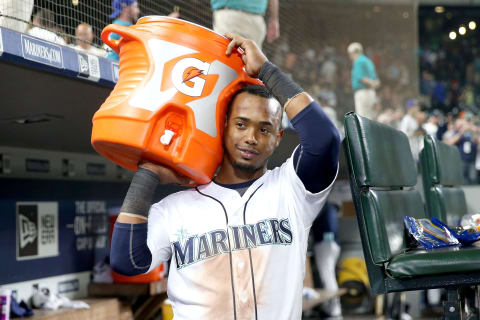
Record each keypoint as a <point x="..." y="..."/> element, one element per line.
<point x="316" y="159"/>
<point x="315" y="162"/>
<point x="239" y="187"/>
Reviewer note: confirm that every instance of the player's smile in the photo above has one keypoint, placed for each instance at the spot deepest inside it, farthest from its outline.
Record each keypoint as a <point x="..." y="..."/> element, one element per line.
<point x="248" y="153"/>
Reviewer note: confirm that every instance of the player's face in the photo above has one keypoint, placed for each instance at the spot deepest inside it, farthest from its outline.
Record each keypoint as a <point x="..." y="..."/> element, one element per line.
<point x="252" y="132"/>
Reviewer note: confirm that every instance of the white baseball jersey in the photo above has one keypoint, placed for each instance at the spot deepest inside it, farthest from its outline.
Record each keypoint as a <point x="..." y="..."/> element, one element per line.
<point x="236" y="257"/>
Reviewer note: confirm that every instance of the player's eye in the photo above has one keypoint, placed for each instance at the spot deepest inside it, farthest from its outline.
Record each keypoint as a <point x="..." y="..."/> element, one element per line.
<point x="240" y="125"/>
<point x="265" y="130"/>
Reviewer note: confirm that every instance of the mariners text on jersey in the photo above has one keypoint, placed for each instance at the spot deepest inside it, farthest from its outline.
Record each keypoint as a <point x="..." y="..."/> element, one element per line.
<point x="200" y="247"/>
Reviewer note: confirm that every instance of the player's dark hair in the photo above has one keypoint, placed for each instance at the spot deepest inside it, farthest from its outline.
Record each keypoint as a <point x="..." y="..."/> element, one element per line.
<point x="256" y="90"/>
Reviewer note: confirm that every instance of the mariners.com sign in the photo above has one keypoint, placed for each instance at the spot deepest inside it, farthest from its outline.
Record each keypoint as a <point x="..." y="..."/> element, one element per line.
<point x="42" y="51"/>
<point x="37" y="230"/>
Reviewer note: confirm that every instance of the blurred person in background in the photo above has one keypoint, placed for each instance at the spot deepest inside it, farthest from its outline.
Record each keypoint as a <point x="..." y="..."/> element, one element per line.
<point x="15" y="14"/>
<point x="247" y="19"/>
<point x="364" y="81"/>
<point x="431" y="125"/>
<point x="125" y="13"/>
<point x="391" y="117"/>
<point x="409" y="123"/>
<point x="464" y="135"/>
<point x="439" y="96"/>
<point x="412" y="126"/>
<point x="454" y="94"/>
<point x="327" y="251"/>
<point x="45" y="28"/>
<point x="328" y="70"/>
<point x="468" y="97"/>
<point x="446" y="123"/>
<point x="84" y="39"/>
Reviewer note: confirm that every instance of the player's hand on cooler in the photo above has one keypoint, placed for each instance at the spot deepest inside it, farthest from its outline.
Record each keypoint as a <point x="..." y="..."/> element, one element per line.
<point x="252" y="56"/>
<point x="165" y="174"/>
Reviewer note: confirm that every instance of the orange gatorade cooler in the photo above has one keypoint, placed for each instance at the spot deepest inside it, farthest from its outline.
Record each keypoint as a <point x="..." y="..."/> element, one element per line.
<point x="168" y="106"/>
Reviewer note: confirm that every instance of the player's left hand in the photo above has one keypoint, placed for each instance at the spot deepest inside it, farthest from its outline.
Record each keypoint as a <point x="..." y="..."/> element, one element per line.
<point x="252" y="56"/>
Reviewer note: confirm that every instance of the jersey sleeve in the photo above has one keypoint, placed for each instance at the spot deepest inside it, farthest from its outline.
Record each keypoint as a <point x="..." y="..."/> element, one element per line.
<point x="157" y="237"/>
<point x="305" y="204"/>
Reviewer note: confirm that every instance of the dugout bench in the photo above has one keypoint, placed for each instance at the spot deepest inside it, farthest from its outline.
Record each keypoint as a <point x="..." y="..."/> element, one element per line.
<point x="383" y="176"/>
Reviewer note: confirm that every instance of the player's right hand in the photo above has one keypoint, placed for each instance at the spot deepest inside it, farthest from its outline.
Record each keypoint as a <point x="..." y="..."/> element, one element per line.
<point x="165" y="174"/>
<point x="252" y="56"/>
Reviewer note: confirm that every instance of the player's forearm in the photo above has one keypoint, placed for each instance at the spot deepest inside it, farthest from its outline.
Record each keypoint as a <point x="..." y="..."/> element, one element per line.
<point x="139" y="197"/>
<point x="290" y="95"/>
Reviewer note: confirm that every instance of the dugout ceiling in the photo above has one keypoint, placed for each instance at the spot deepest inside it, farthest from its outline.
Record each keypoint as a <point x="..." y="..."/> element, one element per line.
<point x="57" y="110"/>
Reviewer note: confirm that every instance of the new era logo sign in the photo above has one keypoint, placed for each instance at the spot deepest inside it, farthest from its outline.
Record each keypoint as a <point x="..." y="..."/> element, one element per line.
<point x="88" y="66"/>
<point x="83" y="65"/>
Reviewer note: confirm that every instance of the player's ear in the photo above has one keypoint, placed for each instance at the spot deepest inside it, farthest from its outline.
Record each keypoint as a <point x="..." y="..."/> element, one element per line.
<point x="279" y="137"/>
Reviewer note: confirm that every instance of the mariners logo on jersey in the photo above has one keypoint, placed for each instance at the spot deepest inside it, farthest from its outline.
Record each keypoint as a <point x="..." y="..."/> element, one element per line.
<point x="190" y="249"/>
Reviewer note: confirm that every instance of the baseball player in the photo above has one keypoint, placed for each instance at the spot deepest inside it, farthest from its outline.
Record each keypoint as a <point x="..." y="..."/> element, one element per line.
<point x="237" y="245"/>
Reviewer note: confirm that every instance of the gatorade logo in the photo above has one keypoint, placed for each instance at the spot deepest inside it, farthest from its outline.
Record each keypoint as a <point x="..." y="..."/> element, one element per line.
<point x="186" y="76"/>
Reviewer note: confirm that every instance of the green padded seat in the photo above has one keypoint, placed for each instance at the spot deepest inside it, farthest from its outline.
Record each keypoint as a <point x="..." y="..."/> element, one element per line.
<point x="444" y="260"/>
<point x="442" y="177"/>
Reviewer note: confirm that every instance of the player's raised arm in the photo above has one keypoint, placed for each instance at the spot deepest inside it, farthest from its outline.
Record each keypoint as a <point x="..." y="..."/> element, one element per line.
<point x="316" y="161"/>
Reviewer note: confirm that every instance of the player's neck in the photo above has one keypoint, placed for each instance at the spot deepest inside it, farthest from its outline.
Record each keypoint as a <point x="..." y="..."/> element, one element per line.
<point x="229" y="174"/>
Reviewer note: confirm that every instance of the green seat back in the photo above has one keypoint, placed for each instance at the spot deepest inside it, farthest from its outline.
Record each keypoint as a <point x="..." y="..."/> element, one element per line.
<point x="382" y="154"/>
<point x="384" y="173"/>
<point x="442" y="177"/>
<point x="448" y="204"/>
<point x="384" y="211"/>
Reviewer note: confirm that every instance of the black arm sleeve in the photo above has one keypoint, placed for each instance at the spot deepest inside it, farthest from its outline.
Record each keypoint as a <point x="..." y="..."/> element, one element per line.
<point x="316" y="159"/>
<point x="129" y="254"/>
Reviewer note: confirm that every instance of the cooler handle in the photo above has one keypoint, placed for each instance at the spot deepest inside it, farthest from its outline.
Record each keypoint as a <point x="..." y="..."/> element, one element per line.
<point x="123" y="31"/>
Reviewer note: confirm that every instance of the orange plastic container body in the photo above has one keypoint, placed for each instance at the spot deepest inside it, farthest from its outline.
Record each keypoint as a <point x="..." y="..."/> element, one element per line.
<point x="156" y="274"/>
<point x="175" y="83"/>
